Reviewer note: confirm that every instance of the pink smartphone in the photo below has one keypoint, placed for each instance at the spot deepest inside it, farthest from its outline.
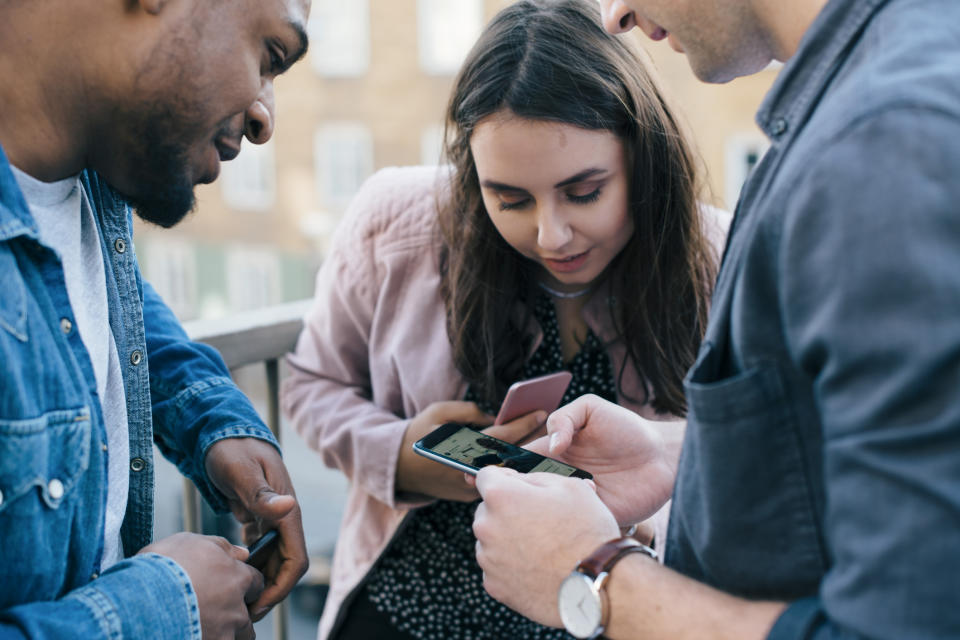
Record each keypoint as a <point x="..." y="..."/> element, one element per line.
<point x="543" y="392"/>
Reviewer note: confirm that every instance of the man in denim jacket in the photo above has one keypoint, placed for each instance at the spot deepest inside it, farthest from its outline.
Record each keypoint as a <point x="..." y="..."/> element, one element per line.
<point x="818" y="492"/>
<point x="105" y="104"/>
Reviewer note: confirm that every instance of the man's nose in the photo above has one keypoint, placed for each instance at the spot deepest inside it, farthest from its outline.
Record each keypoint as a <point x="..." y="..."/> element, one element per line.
<point x="260" y="116"/>
<point x="617" y="17"/>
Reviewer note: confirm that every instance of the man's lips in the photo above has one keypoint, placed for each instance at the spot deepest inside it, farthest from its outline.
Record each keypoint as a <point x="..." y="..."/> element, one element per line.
<point x="659" y="33"/>
<point x="227" y="151"/>
<point x="221" y="152"/>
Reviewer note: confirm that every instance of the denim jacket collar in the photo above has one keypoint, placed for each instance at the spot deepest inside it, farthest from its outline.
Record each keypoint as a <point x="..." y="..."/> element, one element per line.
<point x="15" y="217"/>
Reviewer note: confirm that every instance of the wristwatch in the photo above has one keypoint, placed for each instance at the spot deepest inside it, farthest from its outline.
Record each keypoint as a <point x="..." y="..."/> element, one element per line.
<point x="582" y="598"/>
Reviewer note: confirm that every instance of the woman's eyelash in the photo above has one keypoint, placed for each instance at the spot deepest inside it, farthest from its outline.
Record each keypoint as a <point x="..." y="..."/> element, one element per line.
<point x="507" y="206"/>
<point x="593" y="196"/>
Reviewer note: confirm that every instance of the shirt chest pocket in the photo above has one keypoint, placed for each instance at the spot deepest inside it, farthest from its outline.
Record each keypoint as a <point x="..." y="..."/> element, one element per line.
<point x="746" y="510"/>
<point x="42" y="460"/>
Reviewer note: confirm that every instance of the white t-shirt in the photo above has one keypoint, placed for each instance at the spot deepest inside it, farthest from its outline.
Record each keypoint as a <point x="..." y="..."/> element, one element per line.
<point x="66" y="224"/>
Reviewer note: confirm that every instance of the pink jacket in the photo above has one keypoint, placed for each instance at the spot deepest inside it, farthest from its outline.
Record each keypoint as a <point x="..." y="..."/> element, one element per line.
<point x="374" y="353"/>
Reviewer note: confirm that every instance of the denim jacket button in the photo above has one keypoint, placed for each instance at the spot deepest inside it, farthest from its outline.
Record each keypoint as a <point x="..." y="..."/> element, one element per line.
<point x="94" y="575"/>
<point x="1" y="497"/>
<point x="120" y="245"/>
<point x="136" y="357"/>
<point x="55" y="489"/>
<point x="779" y="126"/>
<point x="65" y="325"/>
<point x="137" y="464"/>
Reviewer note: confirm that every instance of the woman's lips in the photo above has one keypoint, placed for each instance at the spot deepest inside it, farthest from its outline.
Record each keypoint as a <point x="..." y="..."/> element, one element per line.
<point x="566" y="265"/>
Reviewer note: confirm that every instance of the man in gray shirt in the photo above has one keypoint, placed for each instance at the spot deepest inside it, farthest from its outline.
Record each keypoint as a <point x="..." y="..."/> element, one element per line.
<point x="818" y="492"/>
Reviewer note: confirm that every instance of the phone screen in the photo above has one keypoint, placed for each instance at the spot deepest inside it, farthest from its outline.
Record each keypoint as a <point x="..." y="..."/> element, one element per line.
<point x="472" y="450"/>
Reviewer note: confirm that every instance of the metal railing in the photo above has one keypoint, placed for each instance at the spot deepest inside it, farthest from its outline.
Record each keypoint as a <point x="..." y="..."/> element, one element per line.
<point x="251" y="337"/>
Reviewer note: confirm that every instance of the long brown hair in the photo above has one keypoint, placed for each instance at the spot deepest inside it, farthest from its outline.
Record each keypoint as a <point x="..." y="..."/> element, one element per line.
<point x="551" y="60"/>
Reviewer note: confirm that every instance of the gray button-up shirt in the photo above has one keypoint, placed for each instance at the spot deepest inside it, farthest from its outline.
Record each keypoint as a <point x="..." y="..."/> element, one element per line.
<point x="822" y="460"/>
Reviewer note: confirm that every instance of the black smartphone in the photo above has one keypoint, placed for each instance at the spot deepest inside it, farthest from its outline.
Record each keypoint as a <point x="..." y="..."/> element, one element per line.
<point x="261" y="548"/>
<point x="463" y="447"/>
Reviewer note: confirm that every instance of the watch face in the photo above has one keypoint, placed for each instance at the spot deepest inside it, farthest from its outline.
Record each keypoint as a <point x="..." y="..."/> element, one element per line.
<point x="581" y="606"/>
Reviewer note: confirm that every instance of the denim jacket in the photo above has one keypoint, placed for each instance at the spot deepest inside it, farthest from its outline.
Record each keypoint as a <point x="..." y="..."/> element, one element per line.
<point x="53" y="452"/>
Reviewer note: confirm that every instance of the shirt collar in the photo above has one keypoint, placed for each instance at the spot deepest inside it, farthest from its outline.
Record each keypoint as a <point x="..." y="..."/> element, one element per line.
<point x="804" y="77"/>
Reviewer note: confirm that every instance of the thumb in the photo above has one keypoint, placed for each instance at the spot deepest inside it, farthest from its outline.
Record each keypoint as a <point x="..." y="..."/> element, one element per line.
<point x="270" y="505"/>
<point x="540" y="445"/>
<point x="560" y="430"/>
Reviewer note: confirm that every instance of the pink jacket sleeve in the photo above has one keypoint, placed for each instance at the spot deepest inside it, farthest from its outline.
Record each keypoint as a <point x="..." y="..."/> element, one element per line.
<point x="345" y="394"/>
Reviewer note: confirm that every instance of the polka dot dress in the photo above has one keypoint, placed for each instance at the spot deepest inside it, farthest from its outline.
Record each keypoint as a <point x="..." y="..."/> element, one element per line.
<point x="428" y="582"/>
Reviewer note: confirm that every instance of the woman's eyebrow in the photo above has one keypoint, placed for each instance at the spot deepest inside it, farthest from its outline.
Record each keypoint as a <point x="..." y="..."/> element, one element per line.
<point x="499" y="186"/>
<point x="574" y="179"/>
<point x="580" y="177"/>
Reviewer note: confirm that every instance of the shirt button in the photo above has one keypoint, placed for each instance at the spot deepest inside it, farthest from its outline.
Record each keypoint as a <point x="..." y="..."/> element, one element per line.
<point x="65" y="325"/>
<point x="136" y="357"/>
<point x="55" y="489"/>
<point x="120" y="245"/>
<point x="778" y="127"/>
<point x="137" y="464"/>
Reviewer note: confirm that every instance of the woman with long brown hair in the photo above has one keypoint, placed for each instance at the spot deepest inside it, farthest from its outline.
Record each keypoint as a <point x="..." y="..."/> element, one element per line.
<point x="565" y="234"/>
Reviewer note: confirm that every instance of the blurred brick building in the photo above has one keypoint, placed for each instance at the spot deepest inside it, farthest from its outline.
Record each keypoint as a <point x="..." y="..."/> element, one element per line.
<point x="371" y="94"/>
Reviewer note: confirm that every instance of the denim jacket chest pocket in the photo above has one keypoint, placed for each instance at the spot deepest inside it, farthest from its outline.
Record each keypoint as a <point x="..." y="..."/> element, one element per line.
<point x="42" y="459"/>
<point x="745" y="519"/>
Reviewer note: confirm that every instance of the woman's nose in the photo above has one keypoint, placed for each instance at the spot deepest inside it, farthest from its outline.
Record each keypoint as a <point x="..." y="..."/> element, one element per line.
<point x="553" y="231"/>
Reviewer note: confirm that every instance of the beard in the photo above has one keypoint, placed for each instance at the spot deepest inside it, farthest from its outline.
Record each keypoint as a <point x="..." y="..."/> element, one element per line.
<point x="162" y="191"/>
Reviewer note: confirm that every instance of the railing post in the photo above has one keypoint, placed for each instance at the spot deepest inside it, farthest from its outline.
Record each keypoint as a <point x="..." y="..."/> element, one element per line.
<point x="273" y="421"/>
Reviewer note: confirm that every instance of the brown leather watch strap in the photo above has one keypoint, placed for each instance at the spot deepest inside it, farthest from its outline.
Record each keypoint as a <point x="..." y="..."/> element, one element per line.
<point x="607" y="554"/>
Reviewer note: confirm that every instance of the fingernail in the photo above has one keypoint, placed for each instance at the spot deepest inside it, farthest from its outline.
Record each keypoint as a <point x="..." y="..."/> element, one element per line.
<point x="554" y="440"/>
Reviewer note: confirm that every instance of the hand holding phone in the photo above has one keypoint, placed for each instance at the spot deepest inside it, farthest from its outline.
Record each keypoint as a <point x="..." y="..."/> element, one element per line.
<point x="541" y="393"/>
<point x="462" y="447"/>
<point x="261" y="549"/>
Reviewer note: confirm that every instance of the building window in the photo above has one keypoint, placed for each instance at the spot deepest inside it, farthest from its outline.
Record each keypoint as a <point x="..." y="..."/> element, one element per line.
<point x="340" y="37"/>
<point x="344" y="159"/>
<point x="171" y="267"/>
<point x="742" y="153"/>
<point x="249" y="180"/>
<point x="253" y="278"/>
<point x="446" y="31"/>
<point x="431" y="145"/>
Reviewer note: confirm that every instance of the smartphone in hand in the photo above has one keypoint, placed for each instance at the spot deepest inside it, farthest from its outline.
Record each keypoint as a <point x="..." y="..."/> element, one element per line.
<point x="463" y="447"/>
<point x="261" y="549"/>
<point x="543" y="392"/>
